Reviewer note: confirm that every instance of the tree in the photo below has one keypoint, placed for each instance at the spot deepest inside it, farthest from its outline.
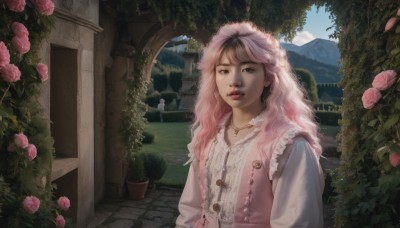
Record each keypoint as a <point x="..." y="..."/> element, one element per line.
<point x="175" y="80"/>
<point x="308" y="81"/>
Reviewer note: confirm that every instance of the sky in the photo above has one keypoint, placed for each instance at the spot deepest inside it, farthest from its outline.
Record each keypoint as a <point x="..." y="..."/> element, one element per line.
<point x="317" y="22"/>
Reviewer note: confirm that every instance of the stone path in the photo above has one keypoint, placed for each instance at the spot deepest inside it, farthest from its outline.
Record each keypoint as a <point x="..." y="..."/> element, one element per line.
<point x="158" y="209"/>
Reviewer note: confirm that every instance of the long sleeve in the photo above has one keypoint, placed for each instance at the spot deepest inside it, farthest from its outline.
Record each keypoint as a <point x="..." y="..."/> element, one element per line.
<point x="190" y="202"/>
<point x="298" y="187"/>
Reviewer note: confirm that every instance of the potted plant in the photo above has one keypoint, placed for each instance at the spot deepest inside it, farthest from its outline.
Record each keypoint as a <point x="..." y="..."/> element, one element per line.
<point x="137" y="180"/>
<point x="154" y="166"/>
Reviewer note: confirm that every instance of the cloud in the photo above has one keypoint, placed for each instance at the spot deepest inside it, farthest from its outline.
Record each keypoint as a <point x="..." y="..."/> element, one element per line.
<point x="303" y="37"/>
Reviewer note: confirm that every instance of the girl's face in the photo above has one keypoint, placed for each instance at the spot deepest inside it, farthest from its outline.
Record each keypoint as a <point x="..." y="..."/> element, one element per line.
<point x="241" y="85"/>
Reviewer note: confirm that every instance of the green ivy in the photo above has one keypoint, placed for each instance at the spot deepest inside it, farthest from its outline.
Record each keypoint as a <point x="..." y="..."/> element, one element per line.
<point x="20" y="111"/>
<point x="281" y="17"/>
<point x="134" y="123"/>
<point x="367" y="184"/>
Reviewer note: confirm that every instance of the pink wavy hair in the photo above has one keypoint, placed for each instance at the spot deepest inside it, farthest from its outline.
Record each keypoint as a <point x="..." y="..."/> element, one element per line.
<point x="285" y="99"/>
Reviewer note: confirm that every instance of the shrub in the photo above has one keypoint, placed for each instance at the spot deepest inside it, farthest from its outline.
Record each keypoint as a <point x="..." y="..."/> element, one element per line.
<point x="153" y="100"/>
<point x="329" y="191"/>
<point x="154" y="165"/>
<point x="152" y="115"/>
<point x="148" y="138"/>
<point x="160" y="81"/>
<point x="307" y="79"/>
<point x="177" y="116"/>
<point x="169" y="97"/>
<point x="175" y="80"/>
<point x="136" y="168"/>
<point x="328" y="118"/>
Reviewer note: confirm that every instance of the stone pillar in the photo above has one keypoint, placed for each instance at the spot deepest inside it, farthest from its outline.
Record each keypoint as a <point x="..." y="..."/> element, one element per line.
<point x="116" y="151"/>
<point x="189" y="58"/>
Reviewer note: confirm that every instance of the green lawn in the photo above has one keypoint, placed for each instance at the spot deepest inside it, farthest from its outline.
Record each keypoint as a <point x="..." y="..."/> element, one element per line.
<point x="171" y="141"/>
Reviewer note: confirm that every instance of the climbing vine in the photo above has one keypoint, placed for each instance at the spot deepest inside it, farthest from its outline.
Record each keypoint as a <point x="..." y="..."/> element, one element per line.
<point x="368" y="181"/>
<point x="133" y="123"/>
<point x="26" y="145"/>
<point x="283" y="17"/>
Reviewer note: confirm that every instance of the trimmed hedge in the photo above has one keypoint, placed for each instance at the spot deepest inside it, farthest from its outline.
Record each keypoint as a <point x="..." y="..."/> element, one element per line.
<point x="178" y="116"/>
<point x="169" y="116"/>
<point x="169" y="97"/>
<point x="148" y="138"/>
<point x="328" y="118"/>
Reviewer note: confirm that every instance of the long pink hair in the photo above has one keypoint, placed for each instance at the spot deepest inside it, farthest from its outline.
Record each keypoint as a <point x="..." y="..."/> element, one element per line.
<point x="285" y="100"/>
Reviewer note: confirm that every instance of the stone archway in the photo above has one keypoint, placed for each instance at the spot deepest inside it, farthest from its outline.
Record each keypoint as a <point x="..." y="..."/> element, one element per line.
<point x="145" y="33"/>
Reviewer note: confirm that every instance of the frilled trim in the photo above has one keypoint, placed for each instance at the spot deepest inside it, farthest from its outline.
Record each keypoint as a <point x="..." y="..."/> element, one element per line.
<point x="190" y="154"/>
<point x="280" y="147"/>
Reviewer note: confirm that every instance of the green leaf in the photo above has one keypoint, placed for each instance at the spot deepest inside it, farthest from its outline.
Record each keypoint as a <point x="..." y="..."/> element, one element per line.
<point x="391" y="121"/>
<point x="397" y="105"/>
<point x="397" y="29"/>
<point x="372" y="122"/>
<point x="395" y="147"/>
<point x="395" y="51"/>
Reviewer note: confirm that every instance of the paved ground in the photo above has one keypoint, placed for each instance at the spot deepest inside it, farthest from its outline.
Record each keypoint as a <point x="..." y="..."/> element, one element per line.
<point x="159" y="209"/>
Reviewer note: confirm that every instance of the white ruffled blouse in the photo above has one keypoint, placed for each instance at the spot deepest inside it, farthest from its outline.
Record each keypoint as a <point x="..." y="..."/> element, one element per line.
<point x="234" y="166"/>
<point x="291" y="170"/>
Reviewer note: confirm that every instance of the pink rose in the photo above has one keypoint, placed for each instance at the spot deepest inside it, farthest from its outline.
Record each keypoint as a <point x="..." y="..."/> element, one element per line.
<point x="31" y="204"/>
<point x="10" y="73"/>
<point x="45" y="7"/>
<point x="4" y="54"/>
<point x="384" y="79"/>
<point x="390" y="23"/>
<point x="15" y="5"/>
<point x="43" y="71"/>
<point x="398" y="12"/>
<point x="370" y="97"/>
<point x="31" y="152"/>
<point x="21" y="44"/>
<point x="394" y="159"/>
<point x="21" y="140"/>
<point x="64" y="203"/>
<point x="19" y="29"/>
<point x="60" y="221"/>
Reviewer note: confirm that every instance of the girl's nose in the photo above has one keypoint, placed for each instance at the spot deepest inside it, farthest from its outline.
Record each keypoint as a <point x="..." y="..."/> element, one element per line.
<point x="236" y="80"/>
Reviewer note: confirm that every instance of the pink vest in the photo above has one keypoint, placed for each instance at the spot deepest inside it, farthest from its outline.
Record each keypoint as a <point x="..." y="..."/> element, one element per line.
<point x="255" y="197"/>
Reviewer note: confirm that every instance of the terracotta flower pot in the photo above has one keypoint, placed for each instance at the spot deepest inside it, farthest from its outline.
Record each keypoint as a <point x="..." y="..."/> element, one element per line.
<point x="136" y="190"/>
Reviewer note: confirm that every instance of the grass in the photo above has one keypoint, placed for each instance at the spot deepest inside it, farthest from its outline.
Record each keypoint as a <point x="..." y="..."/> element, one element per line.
<point x="171" y="141"/>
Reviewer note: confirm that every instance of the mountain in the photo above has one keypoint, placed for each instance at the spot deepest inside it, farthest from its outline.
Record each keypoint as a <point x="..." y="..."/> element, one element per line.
<point x="323" y="73"/>
<point x="321" y="50"/>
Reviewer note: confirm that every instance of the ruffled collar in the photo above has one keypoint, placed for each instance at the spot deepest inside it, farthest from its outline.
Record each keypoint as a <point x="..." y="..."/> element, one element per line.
<point x="256" y="121"/>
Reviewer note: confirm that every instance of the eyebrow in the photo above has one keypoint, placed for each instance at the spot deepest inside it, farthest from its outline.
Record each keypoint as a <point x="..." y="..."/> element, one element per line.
<point x="241" y="63"/>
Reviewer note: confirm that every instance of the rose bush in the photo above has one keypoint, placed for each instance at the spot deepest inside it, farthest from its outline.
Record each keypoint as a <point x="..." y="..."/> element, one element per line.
<point x="370" y="97"/>
<point x="43" y="71"/>
<point x="31" y="152"/>
<point x="60" y="221"/>
<point x="15" y="5"/>
<point x="394" y="159"/>
<point x="45" y="7"/>
<point x="10" y="73"/>
<point x="31" y="204"/>
<point x="4" y="54"/>
<point x="21" y="140"/>
<point x="19" y="29"/>
<point x="64" y="203"/>
<point x="384" y="80"/>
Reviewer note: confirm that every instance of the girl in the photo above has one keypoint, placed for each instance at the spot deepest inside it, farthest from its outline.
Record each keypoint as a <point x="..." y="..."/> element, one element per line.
<point x="255" y="151"/>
